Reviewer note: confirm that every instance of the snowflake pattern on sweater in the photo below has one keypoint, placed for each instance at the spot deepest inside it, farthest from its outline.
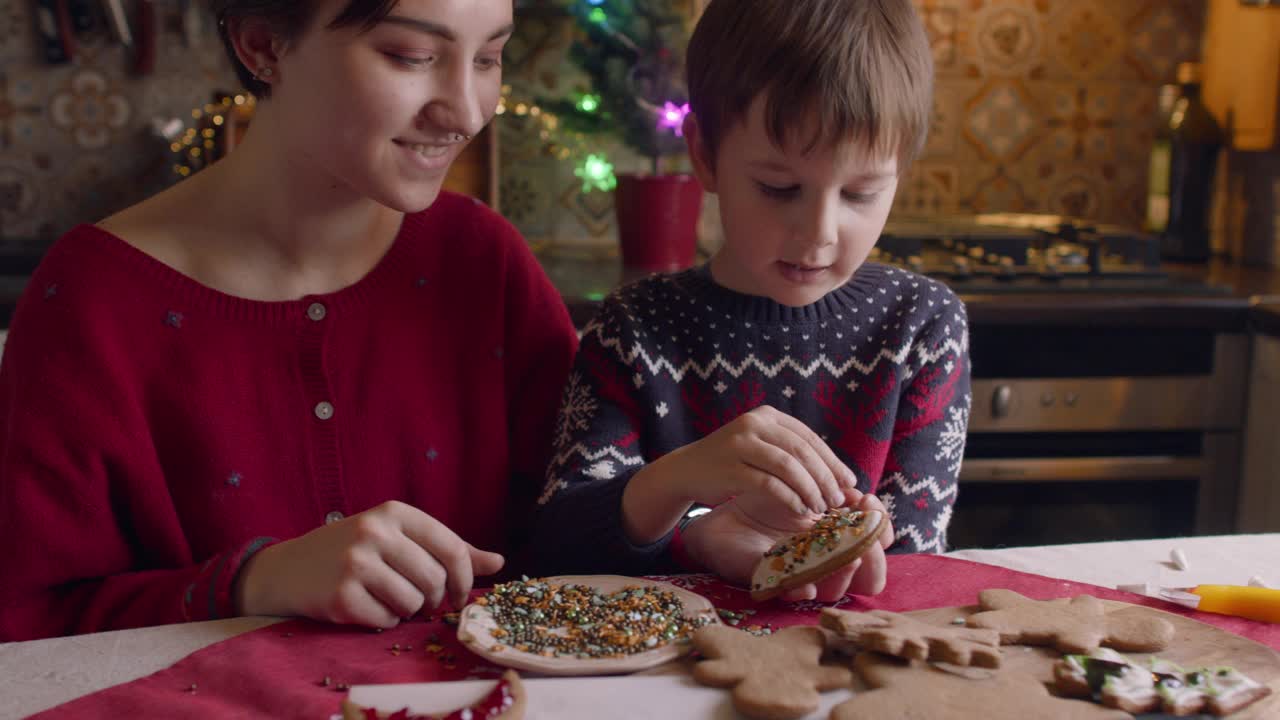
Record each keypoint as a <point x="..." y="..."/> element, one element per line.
<point x="879" y="368"/>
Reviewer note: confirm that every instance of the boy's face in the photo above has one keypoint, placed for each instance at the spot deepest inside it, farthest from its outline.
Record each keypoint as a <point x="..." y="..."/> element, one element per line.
<point x="796" y="225"/>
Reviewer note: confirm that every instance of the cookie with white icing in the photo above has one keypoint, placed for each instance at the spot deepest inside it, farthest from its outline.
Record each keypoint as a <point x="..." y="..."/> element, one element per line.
<point x="1121" y="683"/>
<point x="506" y="701"/>
<point x="838" y="538"/>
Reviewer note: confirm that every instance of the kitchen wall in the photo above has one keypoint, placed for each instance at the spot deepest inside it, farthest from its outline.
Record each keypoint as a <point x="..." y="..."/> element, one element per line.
<point x="75" y="139"/>
<point x="1042" y="105"/>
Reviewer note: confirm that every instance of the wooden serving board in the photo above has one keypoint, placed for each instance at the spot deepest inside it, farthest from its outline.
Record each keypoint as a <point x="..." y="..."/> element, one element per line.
<point x="667" y="690"/>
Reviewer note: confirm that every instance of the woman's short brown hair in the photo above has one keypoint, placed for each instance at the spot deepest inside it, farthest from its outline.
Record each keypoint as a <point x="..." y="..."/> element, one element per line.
<point x="861" y="70"/>
<point x="289" y="18"/>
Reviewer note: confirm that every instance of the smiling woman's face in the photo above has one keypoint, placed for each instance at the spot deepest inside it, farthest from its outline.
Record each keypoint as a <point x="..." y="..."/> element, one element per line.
<point x="382" y="111"/>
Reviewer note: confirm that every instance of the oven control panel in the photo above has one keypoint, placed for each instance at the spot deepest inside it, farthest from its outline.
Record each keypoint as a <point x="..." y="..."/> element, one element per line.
<point x="1101" y="404"/>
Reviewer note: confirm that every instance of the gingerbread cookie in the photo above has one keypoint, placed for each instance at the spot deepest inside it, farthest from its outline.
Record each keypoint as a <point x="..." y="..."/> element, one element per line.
<point x="905" y="637"/>
<point x="775" y="677"/>
<point x="838" y="538"/>
<point x="1161" y="685"/>
<point x="505" y="702"/>
<point x="912" y="689"/>
<point x="1078" y="625"/>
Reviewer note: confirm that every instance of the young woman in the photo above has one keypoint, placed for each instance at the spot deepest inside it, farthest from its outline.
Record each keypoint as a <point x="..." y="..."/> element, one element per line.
<point x="303" y="381"/>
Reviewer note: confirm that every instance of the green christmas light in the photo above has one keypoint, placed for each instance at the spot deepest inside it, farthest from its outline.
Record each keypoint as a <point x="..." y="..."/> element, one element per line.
<point x="598" y="16"/>
<point x="596" y="173"/>
<point x="589" y="102"/>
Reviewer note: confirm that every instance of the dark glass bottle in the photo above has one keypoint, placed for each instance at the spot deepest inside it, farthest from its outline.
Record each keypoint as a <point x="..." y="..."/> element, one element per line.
<point x="1157" y="220"/>
<point x="1195" y="141"/>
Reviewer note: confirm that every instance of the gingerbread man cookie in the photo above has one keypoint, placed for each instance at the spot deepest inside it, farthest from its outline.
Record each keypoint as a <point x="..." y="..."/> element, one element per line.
<point x="905" y="637"/>
<point x="912" y="689"/>
<point x="838" y="538"/>
<point x="1078" y="625"/>
<point x="776" y="677"/>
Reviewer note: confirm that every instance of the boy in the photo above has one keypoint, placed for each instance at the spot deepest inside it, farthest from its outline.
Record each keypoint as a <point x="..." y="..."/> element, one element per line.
<point x="769" y="382"/>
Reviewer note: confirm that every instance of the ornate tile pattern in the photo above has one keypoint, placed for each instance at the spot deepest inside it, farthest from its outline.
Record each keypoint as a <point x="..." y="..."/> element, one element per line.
<point x="74" y="138"/>
<point x="1161" y="35"/>
<point x="1001" y="121"/>
<point x="933" y="189"/>
<point x="1085" y="40"/>
<point x="1007" y="39"/>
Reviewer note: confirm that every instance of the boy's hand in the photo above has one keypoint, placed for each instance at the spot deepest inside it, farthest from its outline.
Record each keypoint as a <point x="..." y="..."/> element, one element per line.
<point x="764" y="452"/>
<point x="373" y="569"/>
<point x="731" y="539"/>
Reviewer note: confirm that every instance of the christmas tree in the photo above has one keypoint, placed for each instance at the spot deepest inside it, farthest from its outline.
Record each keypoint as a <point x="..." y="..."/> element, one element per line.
<point x="632" y="52"/>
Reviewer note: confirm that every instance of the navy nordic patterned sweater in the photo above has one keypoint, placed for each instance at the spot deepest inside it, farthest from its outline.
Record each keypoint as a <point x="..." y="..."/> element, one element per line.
<point x="879" y="368"/>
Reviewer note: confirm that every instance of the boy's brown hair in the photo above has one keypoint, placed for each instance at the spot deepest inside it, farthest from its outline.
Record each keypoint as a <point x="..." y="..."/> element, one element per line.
<point x="862" y="69"/>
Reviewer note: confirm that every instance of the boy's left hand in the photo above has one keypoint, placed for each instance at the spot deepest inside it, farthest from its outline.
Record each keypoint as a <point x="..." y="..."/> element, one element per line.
<point x="732" y="538"/>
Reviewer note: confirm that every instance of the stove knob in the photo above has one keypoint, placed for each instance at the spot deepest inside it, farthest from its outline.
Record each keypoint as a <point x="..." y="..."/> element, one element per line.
<point x="977" y="253"/>
<point x="1001" y="401"/>
<point x="960" y="267"/>
<point x="1007" y="269"/>
<point x="915" y="263"/>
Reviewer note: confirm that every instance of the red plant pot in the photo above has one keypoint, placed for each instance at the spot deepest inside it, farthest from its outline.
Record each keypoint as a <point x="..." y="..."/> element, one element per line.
<point x="658" y="221"/>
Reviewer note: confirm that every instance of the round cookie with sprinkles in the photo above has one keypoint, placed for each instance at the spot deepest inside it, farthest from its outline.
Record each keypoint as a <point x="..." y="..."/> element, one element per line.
<point x="583" y="624"/>
<point x="838" y="538"/>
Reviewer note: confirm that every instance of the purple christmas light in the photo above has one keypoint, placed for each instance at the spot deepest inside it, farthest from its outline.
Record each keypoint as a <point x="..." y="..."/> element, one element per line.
<point x="671" y="117"/>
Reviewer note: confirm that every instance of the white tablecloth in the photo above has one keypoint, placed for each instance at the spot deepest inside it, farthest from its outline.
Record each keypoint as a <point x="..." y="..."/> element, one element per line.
<point x="38" y="675"/>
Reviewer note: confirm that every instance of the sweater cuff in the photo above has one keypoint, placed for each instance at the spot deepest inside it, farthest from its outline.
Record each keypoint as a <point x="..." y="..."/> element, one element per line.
<point x="680" y="554"/>
<point x="209" y="596"/>
<point x="604" y="523"/>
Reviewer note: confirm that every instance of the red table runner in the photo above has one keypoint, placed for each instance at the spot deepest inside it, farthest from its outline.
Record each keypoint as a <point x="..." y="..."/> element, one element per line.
<point x="294" y="669"/>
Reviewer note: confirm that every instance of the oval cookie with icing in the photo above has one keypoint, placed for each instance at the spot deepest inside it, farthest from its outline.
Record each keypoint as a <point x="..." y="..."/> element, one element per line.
<point x="838" y="538"/>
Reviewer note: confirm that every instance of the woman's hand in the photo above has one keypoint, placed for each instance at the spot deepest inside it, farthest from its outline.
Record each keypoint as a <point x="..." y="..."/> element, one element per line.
<point x="373" y="569"/>
<point x="732" y="538"/>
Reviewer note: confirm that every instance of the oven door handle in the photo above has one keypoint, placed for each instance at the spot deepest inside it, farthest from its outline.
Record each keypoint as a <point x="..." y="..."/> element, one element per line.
<point x="1083" y="469"/>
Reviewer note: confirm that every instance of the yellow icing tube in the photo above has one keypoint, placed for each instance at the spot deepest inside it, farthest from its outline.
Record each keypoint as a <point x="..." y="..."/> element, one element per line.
<point x="1254" y="603"/>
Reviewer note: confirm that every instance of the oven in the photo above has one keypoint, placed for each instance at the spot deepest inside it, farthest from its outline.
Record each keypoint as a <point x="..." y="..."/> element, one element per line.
<point x="1081" y="434"/>
<point x="1098" y="425"/>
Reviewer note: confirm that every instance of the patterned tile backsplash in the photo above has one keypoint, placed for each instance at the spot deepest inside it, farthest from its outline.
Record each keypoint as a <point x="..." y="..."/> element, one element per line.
<point x="1041" y="105"/>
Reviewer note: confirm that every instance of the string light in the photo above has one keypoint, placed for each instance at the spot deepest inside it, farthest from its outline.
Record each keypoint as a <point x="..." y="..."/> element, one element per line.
<point x="197" y="146"/>
<point x="596" y="173"/>
<point x="589" y="102"/>
<point x="671" y="117"/>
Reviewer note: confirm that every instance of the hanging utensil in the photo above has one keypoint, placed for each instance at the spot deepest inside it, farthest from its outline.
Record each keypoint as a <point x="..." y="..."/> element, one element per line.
<point x="192" y="23"/>
<point x="119" y="22"/>
<point x="53" y="21"/>
<point x="144" y="57"/>
<point x="47" y="26"/>
<point x="82" y="15"/>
